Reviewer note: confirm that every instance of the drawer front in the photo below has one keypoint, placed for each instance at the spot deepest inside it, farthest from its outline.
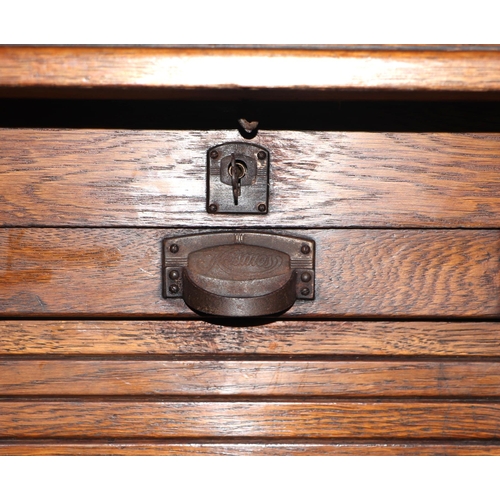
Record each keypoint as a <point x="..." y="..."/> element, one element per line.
<point x="359" y="273"/>
<point x="106" y="178"/>
<point x="403" y="223"/>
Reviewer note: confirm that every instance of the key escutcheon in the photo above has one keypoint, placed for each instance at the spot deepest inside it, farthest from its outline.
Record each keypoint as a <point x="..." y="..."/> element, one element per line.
<point x="238" y="179"/>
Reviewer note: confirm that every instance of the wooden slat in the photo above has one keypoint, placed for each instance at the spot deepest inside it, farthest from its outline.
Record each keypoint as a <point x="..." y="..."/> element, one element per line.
<point x="74" y="377"/>
<point x="276" y="338"/>
<point x="197" y="71"/>
<point x="318" y="179"/>
<point x="379" y="273"/>
<point x="52" y="447"/>
<point x="94" y="419"/>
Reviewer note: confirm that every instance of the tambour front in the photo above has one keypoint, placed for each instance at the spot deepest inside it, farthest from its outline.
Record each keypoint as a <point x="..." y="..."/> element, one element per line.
<point x="310" y="266"/>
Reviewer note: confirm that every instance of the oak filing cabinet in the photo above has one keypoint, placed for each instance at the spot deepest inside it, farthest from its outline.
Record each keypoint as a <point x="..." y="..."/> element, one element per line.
<point x="253" y="250"/>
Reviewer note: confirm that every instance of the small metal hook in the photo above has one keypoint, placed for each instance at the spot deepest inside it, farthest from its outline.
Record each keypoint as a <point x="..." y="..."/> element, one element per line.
<point x="248" y="129"/>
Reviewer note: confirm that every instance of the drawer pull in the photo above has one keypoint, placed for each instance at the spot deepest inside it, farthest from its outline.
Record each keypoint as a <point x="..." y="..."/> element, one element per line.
<point x="239" y="274"/>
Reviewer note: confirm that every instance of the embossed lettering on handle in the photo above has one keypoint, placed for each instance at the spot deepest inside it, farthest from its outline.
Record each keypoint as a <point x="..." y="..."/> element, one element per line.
<point x="239" y="273"/>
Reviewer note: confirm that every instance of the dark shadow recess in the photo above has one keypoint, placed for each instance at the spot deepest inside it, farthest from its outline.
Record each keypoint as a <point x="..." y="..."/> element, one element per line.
<point x="362" y="116"/>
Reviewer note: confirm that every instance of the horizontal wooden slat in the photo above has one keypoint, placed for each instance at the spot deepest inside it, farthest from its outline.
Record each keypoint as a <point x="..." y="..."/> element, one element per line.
<point x="379" y="273"/>
<point x="157" y="447"/>
<point x="197" y="71"/>
<point x="318" y="179"/>
<point x="276" y="338"/>
<point x="91" y="419"/>
<point x="104" y="377"/>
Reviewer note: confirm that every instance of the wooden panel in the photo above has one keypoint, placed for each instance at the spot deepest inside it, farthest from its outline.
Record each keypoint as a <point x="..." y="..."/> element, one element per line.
<point x="157" y="447"/>
<point x="98" y="419"/>
<point x="380" y="273"/>
<point x="83" y="213"/>
<point x="197" y="71"/>
<point x="104" y="377"/>
<point x="275" y="338"/>
<point x="318" y="179"/>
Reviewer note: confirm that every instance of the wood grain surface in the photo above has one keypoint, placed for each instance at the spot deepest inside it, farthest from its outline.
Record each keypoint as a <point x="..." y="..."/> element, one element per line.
<point x="157" y="178"/>
<point x="250" y="338"/>
<point x="405" y="214"/>
<point x="375" y="274"/>
<point x="266" y="448"/>
<point x="176" y="71"/>
<point x="262" y="378"/>
<point x="87" y="418"/>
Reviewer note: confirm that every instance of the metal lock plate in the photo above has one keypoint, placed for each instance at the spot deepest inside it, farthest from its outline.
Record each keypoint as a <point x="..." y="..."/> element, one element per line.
<point x="238" y="178"/>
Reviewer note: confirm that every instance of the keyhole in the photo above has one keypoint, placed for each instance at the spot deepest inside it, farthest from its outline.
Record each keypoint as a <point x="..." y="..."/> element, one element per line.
<point x="237" y="170"/>
<point x="241" y="169"/>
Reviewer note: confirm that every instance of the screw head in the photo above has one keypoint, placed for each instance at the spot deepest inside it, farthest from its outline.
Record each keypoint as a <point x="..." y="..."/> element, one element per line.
<point x="173" y="275"/>
<point x="306" y="277"/>
<point x="305" y="249"/>
<point x="305" y="291"/>
<point x="173" y="289"/>
<point x="262" y="207"/>
<point x="214" y="154"/>
<point x="212" y="208"/>
<point x="174" y="248"/>
<point x="261" y="155"/>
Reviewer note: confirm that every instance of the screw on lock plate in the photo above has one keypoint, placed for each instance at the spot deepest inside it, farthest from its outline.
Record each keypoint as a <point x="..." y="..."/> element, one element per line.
<point x="238" y="178"/>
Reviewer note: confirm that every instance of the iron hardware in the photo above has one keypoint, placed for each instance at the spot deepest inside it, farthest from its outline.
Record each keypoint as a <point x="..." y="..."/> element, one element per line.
<point x="238" y="178"/>
<point x="239" y="273"/>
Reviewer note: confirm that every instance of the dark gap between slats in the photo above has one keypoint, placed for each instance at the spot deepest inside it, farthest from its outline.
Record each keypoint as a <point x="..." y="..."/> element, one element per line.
<point x="283" y="358"/>
<point x="214" y="399"/>
<point x="249" y="322"/>
<point x="190" y="229"/>
<point x="370" y="116"/>
<point x="249" y="441"/>
<point x="224" y="320"/>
